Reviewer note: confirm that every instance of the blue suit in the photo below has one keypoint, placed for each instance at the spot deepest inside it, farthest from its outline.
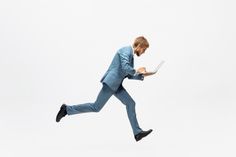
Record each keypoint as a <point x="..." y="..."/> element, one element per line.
<point x="120" y="68"/>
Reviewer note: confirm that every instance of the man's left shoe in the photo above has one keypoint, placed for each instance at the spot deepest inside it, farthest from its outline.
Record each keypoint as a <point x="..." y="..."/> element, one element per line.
<point x="142" y="134"/>
<point x="62" y="113"/>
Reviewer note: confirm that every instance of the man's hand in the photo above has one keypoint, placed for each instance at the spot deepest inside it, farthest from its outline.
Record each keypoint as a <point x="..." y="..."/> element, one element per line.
<point x="148" y="74"/>
<point x="141" y="70"/>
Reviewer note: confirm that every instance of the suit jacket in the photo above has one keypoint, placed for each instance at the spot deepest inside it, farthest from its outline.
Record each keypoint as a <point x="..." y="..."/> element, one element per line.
<point x="122" y="66"/>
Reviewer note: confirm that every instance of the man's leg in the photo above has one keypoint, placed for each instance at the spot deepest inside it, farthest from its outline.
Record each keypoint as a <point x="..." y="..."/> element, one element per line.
<point x="126" y="99"/>
<point x="101" y="100"/>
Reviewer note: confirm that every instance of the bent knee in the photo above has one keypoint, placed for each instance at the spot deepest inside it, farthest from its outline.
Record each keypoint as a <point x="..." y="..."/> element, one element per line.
<point x="133" y="103"/>
<point x="96" y="109"/>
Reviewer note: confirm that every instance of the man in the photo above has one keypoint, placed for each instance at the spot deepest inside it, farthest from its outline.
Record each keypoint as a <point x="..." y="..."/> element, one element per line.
<point x="120" y="68"/>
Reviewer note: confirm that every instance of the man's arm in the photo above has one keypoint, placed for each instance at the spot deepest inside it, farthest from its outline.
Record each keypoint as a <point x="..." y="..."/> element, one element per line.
<point x="140" y="73"/>
<point x="136" y="76"/>
<point x="125" y="63"/>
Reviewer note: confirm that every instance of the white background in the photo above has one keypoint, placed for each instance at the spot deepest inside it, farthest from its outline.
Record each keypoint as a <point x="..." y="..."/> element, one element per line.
<point x="54" y="52"/>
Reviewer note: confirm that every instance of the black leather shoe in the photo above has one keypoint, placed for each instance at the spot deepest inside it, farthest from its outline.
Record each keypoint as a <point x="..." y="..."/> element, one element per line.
<point x="142" y="134"/>
<point x="62" y="113"/>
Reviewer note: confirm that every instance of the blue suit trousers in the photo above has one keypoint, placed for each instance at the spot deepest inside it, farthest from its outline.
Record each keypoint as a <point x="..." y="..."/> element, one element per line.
<point x="103" y="96"/>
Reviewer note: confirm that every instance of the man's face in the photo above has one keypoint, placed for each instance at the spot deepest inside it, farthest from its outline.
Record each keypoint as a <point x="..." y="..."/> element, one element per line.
<point x="139" y="50"/>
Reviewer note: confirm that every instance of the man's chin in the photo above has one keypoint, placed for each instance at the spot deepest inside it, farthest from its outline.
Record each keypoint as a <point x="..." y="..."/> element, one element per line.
<point x="137" y="54"/>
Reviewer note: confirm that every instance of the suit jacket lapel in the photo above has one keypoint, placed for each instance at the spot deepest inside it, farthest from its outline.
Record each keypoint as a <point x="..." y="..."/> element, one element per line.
<point x="132" y="57"/>
<point x="132" y="61"/>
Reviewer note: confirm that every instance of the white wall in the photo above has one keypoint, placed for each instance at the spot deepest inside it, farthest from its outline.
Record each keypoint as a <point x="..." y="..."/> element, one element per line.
<point x="56" y="51"/>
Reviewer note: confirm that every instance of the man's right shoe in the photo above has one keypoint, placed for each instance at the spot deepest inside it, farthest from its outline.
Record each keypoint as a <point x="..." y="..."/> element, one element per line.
<point x="62" y="113"/>
<point x="142" y="134"/>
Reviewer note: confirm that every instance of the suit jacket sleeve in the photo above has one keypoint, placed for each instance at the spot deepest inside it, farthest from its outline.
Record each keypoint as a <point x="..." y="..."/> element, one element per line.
<point x="125" y="63"/>
<point x="136" y="76"/>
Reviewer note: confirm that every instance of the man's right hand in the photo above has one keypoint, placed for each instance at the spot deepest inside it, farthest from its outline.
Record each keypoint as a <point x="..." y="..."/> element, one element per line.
<point x="141" y="70"/>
